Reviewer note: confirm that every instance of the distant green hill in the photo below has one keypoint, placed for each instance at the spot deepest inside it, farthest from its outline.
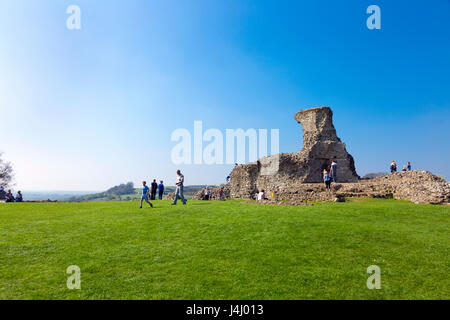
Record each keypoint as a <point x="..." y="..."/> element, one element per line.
<point x="127" y="192"/>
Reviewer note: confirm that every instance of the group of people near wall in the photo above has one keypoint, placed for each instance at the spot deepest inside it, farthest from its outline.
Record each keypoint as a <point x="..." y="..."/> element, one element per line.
<point x="150" y="193"/>
<point x="207" y="194"/>
<point x="406" y="167"/>
<point x="9" y="197"/>
<point x="330" y="174"/>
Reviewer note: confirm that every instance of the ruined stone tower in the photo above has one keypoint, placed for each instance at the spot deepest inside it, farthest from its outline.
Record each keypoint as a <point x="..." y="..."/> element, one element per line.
<point x="281" y="174"/>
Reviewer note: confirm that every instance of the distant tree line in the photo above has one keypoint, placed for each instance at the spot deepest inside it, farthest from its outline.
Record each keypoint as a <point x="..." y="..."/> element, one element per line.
<point x="114" y="193"/>
<point x="6" y="173"/>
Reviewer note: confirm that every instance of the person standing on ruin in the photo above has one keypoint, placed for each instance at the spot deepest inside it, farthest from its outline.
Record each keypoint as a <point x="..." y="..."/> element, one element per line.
<point x="333" y="171"/>
<point x="179" y="189"/>
<point x="408" y="166"/>
<point x="393" y="166"/>
<point x="327" y="179"/>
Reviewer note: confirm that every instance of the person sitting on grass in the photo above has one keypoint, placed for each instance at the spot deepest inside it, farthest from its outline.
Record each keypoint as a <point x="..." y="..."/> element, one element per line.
<point x="327" y="179"/>
<point x="19" y="197"/>
<point x="9" y="197"/>
<point x="145" y="191"/>
<point x="262" y="196"/>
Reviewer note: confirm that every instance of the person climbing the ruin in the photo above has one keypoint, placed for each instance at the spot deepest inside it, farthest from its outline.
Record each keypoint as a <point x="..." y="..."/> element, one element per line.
<point x="179" y="189"/>
<point x="333" y="171"/>
<point x="19" y="197"/>
<point x="161" y="190"/>
<point x="393" y="166"/>
<point x="327" y="179"/>
<point x="145" y="193"/>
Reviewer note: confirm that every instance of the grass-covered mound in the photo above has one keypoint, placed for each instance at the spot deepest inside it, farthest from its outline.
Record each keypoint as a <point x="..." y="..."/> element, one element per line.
<point x="224" y="250"/>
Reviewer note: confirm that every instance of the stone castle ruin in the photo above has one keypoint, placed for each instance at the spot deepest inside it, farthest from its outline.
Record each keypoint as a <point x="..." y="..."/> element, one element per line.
<point x="298" y="177"/>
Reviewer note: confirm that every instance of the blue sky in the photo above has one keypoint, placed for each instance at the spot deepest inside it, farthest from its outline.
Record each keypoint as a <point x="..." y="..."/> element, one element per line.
<point x="87" y="109"/>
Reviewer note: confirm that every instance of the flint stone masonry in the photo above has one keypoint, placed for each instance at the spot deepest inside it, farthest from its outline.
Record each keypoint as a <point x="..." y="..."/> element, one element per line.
<point x="320" y="147"/>
<point x="297" y="177"/>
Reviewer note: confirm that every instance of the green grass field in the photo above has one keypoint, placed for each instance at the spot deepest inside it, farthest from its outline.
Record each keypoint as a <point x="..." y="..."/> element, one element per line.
<point x="224" y="250"/>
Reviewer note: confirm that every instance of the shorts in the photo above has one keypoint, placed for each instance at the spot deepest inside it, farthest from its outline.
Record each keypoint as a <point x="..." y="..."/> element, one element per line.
<point x="144" y="197"/>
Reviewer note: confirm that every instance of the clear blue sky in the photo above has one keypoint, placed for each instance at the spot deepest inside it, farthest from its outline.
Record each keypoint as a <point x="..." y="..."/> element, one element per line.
<point x="88" y="109"/>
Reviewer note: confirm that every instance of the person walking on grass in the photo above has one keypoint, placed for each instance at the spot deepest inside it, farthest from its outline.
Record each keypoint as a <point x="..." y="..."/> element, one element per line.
<point x="161" y="190"/>
<point x="327" y="179"/>
<point x="145" y="191"/>
<point x="179" y="189"/>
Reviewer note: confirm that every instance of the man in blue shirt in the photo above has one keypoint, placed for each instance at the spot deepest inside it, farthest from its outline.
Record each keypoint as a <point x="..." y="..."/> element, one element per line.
<point x="161" y="190"/>
<point x="144" y="196"/>
<point x="19" y="197"/>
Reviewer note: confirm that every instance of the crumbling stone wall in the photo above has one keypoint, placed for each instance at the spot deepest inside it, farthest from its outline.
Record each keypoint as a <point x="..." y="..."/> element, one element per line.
<point x="297" y="177"/>
<point x="280" y="173"/>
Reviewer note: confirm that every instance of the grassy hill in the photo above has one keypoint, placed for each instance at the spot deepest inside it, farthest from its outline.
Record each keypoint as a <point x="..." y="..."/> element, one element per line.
<point x="224" y="250"/>
<point x="127" y="192"/>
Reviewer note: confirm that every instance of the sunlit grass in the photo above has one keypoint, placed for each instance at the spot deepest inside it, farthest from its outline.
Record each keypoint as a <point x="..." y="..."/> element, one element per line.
<point x="224" y="250"/>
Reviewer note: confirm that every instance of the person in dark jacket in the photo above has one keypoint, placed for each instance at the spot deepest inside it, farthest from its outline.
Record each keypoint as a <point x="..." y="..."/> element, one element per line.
<point x="9" y="196"/>
<point x="153" y="190"/>
<point x="161" y="190"/>
<point x="393" y="166"/>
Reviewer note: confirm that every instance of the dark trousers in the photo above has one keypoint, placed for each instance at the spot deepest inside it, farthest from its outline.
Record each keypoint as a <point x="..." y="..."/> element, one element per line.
<point x="161" y="193"/>
<point x="153" y="195"/>
<point x="328" y="184"/>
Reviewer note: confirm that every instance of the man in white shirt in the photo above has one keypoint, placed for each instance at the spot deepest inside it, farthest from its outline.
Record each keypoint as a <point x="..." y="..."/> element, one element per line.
<point x="261" y="196"/>
<point x="179" y="189"/>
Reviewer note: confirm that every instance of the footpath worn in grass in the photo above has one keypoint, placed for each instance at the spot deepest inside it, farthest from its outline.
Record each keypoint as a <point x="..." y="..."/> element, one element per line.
<point x="224" y="250"/>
